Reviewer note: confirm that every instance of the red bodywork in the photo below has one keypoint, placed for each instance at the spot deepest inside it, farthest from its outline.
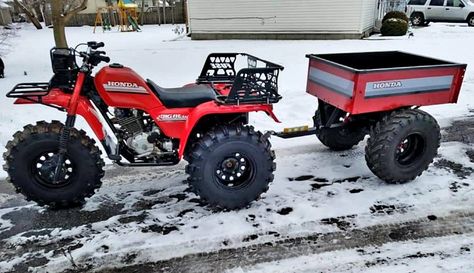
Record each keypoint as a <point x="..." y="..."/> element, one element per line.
<point x="356" y="100"/>
<point x="147" y="101"/>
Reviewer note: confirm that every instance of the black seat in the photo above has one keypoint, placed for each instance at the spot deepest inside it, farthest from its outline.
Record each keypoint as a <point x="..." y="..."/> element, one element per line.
<point x="183" y="97"/>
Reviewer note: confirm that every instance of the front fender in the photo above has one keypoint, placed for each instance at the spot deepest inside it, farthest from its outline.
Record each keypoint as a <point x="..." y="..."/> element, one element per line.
<point x="212" y="108"/>
<point x="85" y="109"/>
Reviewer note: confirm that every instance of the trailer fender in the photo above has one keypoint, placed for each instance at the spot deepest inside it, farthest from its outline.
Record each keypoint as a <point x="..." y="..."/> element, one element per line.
<point x="84" y="109"/>
<point x="211" y="108"/>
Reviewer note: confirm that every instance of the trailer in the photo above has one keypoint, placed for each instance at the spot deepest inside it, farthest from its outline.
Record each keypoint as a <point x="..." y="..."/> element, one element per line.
<point x="379" y="94"/>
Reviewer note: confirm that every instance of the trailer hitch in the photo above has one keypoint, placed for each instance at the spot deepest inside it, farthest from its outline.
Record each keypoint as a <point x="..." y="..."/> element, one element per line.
<point x="295" y="132"/>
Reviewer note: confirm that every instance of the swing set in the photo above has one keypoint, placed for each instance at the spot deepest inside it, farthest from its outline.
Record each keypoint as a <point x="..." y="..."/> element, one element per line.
<point x="125" y="13"/>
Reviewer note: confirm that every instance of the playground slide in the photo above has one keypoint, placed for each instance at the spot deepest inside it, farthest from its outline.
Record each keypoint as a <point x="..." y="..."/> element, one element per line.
<point x="133" y="23"/>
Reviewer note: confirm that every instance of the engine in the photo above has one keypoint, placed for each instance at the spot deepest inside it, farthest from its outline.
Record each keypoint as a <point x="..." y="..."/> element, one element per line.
<point x="141" y="134"/>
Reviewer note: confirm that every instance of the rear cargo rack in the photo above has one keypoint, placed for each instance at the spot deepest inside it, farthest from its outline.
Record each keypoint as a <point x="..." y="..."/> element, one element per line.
<point x="255" y="83"/>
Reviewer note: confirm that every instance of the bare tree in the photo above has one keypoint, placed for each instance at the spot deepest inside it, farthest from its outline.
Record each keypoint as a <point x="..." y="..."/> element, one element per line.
<point x="142" y="12"/>
<point x="28" y="13"/>
<point x="37" y="4"/>
<point x="46" y="9"/>
<point x="62" y="11"/>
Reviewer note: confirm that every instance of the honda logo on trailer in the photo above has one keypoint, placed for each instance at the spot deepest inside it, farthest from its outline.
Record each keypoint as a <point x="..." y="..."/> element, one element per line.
<point x="384" y="85"/>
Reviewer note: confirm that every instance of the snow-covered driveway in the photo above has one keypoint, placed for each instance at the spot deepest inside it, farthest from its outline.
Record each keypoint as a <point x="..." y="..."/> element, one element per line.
<point x="149" y="216"/>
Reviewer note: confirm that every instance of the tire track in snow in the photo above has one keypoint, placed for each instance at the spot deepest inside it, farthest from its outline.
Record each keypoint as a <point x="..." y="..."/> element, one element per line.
<point x="225" y="259"/>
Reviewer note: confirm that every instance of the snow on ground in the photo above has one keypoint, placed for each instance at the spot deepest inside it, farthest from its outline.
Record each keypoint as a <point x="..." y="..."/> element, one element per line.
<point x="439" y="255"/>
<point x="157" y="218"/>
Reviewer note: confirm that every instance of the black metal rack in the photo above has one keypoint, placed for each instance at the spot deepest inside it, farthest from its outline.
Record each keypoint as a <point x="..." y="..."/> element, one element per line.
<point x="29" y="90"/>
<point x="33" y="92"/>
<point x="257" y="83"/>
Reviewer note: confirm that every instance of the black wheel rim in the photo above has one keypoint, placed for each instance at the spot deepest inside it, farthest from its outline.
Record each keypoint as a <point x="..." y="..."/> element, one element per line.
<point x="234" y="171"/>
<point x="44" y="166"/>
<point x="410" y="149"/>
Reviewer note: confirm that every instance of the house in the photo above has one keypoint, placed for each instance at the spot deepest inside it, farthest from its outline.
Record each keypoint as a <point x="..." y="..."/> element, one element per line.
<point x="5" y="13"/>
<point x="281" y="19"/>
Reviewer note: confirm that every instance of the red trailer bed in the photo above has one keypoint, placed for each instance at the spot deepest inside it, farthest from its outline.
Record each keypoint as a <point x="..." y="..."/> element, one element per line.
<point x="368" y="82"/>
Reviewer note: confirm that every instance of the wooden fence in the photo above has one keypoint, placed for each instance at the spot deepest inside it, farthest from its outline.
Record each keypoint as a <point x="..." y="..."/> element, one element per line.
<point x="150" y="16"/>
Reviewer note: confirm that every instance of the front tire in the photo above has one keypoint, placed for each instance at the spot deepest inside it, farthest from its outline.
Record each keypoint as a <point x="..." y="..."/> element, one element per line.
<point x="31" y="159"/>
<point x="402" y="145"/>
<point x="470" y="20"/>
<point x="231" y="166"/>
<point x="417" y="19"/>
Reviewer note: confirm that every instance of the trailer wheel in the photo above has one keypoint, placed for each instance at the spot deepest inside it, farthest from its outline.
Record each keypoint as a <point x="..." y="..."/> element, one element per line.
<point x="339" y="138"/>
<point x="31" y="160"/>
<point x="402" y="145"/>
<point x="231" y="166"/>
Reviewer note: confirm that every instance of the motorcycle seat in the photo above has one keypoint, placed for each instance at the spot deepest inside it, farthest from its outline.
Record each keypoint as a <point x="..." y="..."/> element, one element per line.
<point x="183" y="97"/>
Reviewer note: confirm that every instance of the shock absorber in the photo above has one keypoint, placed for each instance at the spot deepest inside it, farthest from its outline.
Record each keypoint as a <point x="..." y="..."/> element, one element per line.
<point x="70" y="121"/>
<point x="63" y="141"/>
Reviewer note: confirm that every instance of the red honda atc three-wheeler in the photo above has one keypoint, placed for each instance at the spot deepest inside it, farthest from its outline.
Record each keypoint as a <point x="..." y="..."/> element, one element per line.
<point x="206" y="123"/>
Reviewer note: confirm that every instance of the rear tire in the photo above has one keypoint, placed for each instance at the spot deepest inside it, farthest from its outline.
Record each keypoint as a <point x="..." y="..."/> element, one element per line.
<point x="402" y="145"/>
<point x="339" y="138"/>
<point x="231" y="166"/>
<point x="417" y="19"/>
<point x="30" y="161"/>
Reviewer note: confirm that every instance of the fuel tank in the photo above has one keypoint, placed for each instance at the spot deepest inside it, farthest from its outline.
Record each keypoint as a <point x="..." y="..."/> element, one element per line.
<point x="120" y="86"/>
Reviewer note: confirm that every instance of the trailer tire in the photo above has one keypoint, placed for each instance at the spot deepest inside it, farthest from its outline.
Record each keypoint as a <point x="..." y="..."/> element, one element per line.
<point x="402" y="145"/>
<point x="339" y="138"/>
<point x="231" y="166"/>
<point x="29" y="162"/>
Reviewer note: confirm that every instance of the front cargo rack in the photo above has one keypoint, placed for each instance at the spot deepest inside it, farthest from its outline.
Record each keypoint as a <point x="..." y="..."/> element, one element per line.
<point x="29" y="90"/>
<point x="33" y="92"/>
<point x="256" y="82"/>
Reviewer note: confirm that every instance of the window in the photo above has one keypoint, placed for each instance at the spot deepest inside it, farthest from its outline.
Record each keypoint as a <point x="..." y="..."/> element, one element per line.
<point x="417" y="2"/>
<point x="436" y="2"/>
<point x="454" y="3"/>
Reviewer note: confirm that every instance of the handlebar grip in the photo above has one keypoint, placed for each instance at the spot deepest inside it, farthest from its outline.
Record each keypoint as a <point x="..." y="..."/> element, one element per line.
<point x="104" y="59"/>
<point x="95" y="45"/>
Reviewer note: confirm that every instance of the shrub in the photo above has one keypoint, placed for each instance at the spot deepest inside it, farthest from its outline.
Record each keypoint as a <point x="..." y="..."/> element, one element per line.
<point x="394" y="27"/>
<point x="396" y="15"/>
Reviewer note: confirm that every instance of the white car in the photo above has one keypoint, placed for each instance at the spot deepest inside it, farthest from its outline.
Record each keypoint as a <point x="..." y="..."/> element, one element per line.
<point x="421" y="12"/>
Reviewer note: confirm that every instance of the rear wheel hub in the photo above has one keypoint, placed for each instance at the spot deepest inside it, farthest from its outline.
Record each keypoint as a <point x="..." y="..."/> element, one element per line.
<point x="233" y="170"/>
